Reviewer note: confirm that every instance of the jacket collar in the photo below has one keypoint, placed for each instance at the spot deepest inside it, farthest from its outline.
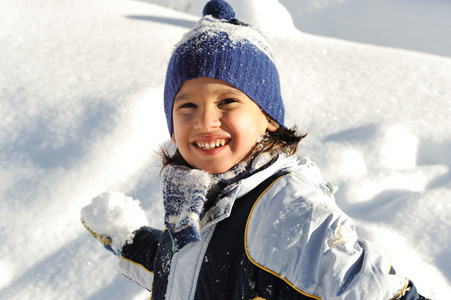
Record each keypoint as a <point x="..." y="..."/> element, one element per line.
<point x="223" y="206"/>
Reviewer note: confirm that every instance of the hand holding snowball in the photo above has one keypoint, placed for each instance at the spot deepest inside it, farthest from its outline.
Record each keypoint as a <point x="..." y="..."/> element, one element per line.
<point x="113" y="218"/>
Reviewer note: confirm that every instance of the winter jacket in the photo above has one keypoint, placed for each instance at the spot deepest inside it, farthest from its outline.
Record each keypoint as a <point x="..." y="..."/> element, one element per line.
<point x="279" y="236"/>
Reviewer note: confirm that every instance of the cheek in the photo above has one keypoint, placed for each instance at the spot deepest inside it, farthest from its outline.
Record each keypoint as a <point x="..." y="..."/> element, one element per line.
<point x="256" y="124"/>
<point x="178" y="136"/>
<point x="177" y="129"/>
<point x="178" y="139"/>
<point x="249" y="129"/>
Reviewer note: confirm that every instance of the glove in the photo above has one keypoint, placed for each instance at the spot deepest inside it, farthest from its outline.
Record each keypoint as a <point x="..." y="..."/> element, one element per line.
<point x="106" y="241"/>
<point x="184" y="194"/>
<point x="112" y="218"/>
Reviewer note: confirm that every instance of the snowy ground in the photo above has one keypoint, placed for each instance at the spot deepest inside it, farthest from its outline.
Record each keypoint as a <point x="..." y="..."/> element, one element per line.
<point x="81" y="112"/>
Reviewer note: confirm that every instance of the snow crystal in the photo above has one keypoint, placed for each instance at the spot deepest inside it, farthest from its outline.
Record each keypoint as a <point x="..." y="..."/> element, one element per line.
<point x="236" y="34"/>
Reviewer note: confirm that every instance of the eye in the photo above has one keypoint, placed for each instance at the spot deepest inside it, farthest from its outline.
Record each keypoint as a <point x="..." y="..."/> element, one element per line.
<point x="227" y="101"/>
<point x="187" y="105"/>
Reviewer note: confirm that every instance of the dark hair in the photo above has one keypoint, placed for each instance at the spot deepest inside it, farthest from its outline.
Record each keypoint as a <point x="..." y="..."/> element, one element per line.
<point x="283" y="140"/>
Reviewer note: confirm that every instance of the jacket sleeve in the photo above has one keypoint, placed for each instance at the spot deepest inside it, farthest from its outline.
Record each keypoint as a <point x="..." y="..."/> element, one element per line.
<point x="137" y="257"/>
<point x="296" y="232"/>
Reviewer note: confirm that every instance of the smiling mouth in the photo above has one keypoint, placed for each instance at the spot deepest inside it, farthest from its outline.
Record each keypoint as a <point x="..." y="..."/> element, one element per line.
<point x="211" y="145"/>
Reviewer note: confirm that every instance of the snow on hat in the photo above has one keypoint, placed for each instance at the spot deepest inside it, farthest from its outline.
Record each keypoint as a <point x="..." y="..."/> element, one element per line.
<point x="222" y="47"/>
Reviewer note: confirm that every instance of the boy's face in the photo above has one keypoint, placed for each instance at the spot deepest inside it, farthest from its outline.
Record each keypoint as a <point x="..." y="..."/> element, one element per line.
<point x="215" y="124"/>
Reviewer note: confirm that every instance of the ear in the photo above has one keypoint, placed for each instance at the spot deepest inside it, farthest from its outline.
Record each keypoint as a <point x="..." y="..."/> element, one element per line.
<point x="272" y="125"/>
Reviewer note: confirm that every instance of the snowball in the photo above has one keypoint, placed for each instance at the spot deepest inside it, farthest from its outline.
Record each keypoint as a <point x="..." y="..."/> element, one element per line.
<point x="115" y="216"/>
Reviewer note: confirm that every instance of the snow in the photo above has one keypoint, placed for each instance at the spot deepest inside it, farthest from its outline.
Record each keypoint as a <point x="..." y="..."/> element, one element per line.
<point x="81" y="112"/>
<point x="113" y="218"/>
<point x="236" y="34"/>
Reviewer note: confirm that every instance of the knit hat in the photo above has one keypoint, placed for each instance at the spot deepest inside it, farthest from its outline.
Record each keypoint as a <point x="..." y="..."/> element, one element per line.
<point x="222" y="47"/>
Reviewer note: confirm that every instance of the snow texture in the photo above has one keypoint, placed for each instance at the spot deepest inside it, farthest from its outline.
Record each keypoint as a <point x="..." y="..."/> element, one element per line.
<point x="81" y="112"/>
<point x="114" y="216"/>
<point x="237" y="34"/>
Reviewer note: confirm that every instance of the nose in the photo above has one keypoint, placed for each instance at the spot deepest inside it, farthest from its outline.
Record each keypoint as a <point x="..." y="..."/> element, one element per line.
<point x="208" y="118"/>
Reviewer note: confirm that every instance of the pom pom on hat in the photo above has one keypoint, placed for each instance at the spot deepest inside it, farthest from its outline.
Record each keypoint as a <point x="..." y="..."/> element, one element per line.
<point x="222" y="47"/>
<point x="219" y="9"/>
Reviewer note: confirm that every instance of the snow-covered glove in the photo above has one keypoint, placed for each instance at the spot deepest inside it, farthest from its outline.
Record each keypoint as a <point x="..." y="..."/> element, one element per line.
<point x="113" y="218"/>
<point x="184" y="194"/>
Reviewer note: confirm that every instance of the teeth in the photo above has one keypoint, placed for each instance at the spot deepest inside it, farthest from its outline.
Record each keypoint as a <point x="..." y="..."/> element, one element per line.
<point x="211" y="145"/>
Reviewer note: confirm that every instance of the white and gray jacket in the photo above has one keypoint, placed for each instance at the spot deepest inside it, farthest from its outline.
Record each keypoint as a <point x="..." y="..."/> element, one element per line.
<point x="278" y="235"/>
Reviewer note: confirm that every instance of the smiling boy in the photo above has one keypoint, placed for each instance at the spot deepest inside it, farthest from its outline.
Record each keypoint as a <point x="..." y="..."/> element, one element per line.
<point x="216" y="125"/>
<point x="245" y="217"/>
